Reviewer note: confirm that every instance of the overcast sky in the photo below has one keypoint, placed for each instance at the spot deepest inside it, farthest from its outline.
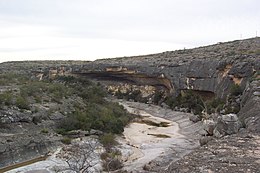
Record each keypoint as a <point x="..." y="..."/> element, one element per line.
<point x="91" y="29"/>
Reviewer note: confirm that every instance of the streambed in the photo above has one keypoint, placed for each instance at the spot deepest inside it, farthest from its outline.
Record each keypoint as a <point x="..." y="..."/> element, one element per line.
<point x="152" y="142"/>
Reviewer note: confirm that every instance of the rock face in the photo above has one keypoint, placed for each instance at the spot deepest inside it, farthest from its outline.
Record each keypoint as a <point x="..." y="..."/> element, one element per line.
<point x="211" y="69"/>
<point x="250" y="109"/>
<point x="19" y="145"/>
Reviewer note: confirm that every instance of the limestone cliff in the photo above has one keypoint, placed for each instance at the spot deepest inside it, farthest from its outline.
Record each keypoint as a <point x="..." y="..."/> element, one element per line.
<point x="213" y="69"/>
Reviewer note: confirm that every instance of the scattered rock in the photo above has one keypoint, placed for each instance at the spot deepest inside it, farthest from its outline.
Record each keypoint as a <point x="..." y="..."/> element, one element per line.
<point x="194" y="118"/>
<point x="209" y="126"/>
<point x="204" y="140"/>
<point x="256" y="93"/>
<point x="95" y="132"/>
<point x="165" y="106"/>
<point x="56" y="116"/>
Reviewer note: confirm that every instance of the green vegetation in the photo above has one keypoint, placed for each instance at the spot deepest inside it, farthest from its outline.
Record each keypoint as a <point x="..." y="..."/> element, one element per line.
<point x="66" y="140"/>
<point x="89" y="109"/>
<point x="235" y="90"/>
<point x="108" y="140"/>
<point x="45" y="131"/>
<point x="257" y="51"/>
<point x="22" y="103"/>
<point x="111" y="156"/>
<point x="6" y="98"/>
<point x="12" y="78"/>
<point x="135" y="95"/>
<point x="195" y="103"/>
<point x="157" y="97"/>
<point x="38" y="89"/>
<point x="107" y="117"/>
<point x="97" y="113"/>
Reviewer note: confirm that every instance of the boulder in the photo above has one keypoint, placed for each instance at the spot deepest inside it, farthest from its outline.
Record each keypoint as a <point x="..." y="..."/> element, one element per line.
<point x="56" y="116"/>
<point x="2" y="148"/>
<point x="209" y="126"/>
<point x="194" y="118"/>
<point x="227" y="125"/>
<point x="204" y="140"/>
<point x="95" y="132"/>
<point x="165" y="106"/>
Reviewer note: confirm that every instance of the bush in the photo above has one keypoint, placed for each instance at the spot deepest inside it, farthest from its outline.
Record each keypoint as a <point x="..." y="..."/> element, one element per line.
<point x="157" y="97"/>
<point x="108" y="140"/>
<point x="34" y="88"/>
<point x="112" y="164"/>
<point x="235" y="90"/>
<point x="6" y="98"/>
<point x="10" y="78"/>
<point x="187" y="99"/>
<point x="214" y="105"/>
<point x="66" y="140"/>
<point x="45" y="131"/>
<point x="22" y="103"/>
<point x="111" y="161"/>
<point x="257" y="52"/>
<point x="108" y="117"/>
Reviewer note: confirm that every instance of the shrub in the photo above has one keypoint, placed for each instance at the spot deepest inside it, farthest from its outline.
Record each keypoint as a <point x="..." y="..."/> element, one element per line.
<point x="189" y="100"/>
<point x="22" y="103"/>
<point x="6" y="98"/>
<point x="66" y="140"/>
<point x="108" y="140"/>
<point x="135" y="95"/>
<point x="112" y="164"/>
<point x="33" y="88"/>
<point x="257" y="52"/>
<point x="214" y="105"/>
<point x="157" y="97"/>
<point x="45" y="131"/>
<point x="108" y="117"/>
<point x="235" y="90"/>
<point x="10" y="78"/>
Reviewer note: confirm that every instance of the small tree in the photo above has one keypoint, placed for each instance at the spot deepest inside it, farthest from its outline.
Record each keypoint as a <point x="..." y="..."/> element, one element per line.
<point x="83" y="157"/>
